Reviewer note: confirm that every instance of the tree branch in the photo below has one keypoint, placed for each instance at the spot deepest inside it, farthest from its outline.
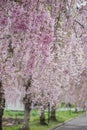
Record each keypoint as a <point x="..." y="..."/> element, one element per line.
<point x="79" y="23"/>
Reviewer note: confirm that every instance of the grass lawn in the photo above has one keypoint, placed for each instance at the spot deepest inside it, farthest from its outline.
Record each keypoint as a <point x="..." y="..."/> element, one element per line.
<point x="34" y="122"/>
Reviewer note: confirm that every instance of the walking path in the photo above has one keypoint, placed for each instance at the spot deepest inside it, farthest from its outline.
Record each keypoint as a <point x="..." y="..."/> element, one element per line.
<point x="79" y="123"/>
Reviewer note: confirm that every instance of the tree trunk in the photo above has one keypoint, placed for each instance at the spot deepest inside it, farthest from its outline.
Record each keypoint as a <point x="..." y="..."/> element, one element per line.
<point x="84" y="108"/>
<point x="53" y="114"/>
<point x="42" y="118"/>
<point x="76" y="110"/>
<point x="2" y="104"/>
<point x="27" y="105"/>
<point x="0" y="120"/>
<point x="26" y="116"/>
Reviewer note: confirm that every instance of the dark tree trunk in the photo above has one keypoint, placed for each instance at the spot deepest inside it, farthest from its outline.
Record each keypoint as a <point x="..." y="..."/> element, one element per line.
<point x="53" y="114"/>
<point x="42" y="118"/>
<point x="48" y="112"/>
<point x="2" y="104"/>
<point x="1" y="115"/>
<point x="27" y="116"/>
<point x="84" y="108"/>
<point x="76" y="110"/>
<point x="0" y="121"/>
<point x="27" y="106"/>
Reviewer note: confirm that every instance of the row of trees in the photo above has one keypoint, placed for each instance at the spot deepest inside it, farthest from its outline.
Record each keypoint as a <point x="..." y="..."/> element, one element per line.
<point x="43" y="52"/>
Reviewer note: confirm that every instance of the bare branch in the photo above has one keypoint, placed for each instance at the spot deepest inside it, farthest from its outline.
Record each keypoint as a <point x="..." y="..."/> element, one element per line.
<point x="79" y="24"/>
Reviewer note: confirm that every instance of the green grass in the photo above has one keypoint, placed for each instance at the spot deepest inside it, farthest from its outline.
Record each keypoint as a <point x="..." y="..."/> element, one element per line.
<point x="13" y="114"/>
<point x="12" y="128"/>
<point x="34" y="122"/>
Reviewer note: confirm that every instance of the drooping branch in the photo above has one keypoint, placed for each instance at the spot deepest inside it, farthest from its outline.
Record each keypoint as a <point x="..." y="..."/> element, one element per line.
<point x="79" y="23"/>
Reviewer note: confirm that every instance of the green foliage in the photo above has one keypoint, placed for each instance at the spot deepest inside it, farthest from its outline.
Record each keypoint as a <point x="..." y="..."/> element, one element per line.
<point x="63" y="104"/>
<point x="49" y="8"/>
<point x="13" y="114"/>
<point x="34" y="112"/>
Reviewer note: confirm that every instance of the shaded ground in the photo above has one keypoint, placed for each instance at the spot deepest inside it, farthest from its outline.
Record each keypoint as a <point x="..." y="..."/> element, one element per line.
<point x="11" y="121"/>
<point x="79" y="123"/>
